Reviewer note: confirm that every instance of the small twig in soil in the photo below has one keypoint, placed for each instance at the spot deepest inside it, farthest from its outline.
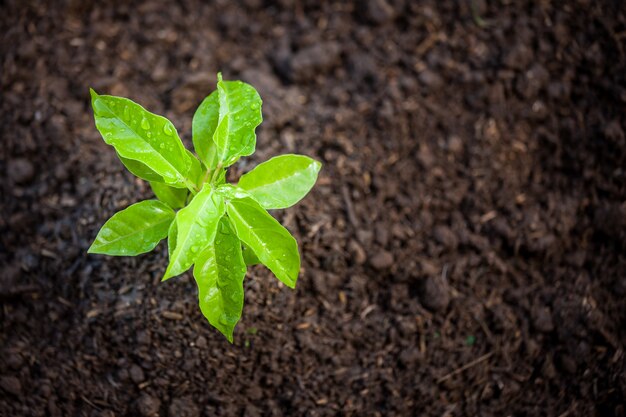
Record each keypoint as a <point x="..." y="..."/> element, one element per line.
<point x="349" y="208"/>
<point x="465" y="367"/>
<point x="90" y="403"/>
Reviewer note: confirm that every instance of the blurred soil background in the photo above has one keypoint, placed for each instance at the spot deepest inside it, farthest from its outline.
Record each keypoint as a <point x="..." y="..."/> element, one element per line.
<point x="463" y="251"/>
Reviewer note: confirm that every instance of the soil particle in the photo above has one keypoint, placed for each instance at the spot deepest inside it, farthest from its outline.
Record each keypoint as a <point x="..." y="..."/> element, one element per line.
<point x="445" y="236"/>
<point x="357" y="252"/>
<point x="254" y="392"/>
<point x="136" y="374"/>
<point x="183" y="407"/>
<point x="381" y="260"/>
<point x="614" y="132"/>
<point x="568" y="363"/>
<point x="144" y="338"/>
<point x="363" y="67"/>
<point x="20" y="171"/>
<point x="410" y="356"/>
<point x="430" y="79"/>
<point x="314" y="60"/>
<point x="519" y="57"/>
<point x="148" y="406"/>
<point x="14" y="360"/>
<point x="11" y="385"/>
<point x="378" y="11"/>
<point x="201" y="342"/>
<point x="542" y="319"/>
<point x="434" y="294"/>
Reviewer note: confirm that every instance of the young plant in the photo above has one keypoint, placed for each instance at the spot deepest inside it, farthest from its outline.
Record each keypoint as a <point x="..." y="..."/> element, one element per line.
<point x="217" y="227"/>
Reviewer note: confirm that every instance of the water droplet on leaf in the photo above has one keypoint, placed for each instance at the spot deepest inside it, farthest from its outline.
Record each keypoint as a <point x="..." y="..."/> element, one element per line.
<point x="167" y="130"/>
<point x="145" y="124"/>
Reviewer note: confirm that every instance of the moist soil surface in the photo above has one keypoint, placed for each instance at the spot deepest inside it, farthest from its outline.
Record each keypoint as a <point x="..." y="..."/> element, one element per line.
<point x="463" y="252"/>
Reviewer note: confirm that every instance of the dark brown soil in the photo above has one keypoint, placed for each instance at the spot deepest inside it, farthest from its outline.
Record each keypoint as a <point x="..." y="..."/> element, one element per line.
<point x="464" y="252"/>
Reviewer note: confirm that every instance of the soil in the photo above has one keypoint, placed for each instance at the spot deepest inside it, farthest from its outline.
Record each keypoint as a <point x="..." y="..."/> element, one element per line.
<point x="463" y="252"/>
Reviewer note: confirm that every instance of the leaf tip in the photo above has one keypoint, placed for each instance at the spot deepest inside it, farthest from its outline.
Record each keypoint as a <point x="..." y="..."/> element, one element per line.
<point x="291" y="284"/>
<point x="219" y="77"/>
<point x="94" y="248"/>
<point x="168" y="273"/>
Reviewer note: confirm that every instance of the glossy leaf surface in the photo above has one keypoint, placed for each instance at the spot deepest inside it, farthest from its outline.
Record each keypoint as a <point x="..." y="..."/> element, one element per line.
<point x="219" y="272"/>
<point x="195" y="229"/>
<point x="196" y="171"/>
<point x="281" y="181"/>
<point x="173" y="197"/>
<point x="204" y="123"/>
<point x="140" y="170"/>
<point x="239" y="115"/>
<point x="139" y="135"/>
<point x="271" y="242"/>
<point x="249" y="256"/>
<point x="172" y="235"/>
<point x="136" y="229"/>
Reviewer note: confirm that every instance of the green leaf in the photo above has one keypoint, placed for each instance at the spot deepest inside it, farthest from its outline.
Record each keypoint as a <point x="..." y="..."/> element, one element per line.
<point x="271" y="242"/>
<point x="196" y="170"/>
<point x="204" y="123"/>
<point x="172" y="234"/>
<point x="282" y="181"/>
<point x="139" y="135"/>
<point x="140" y="170"/>
<point x="136" y="229"/>
<point x="239" y="115"/>
<point x="249" y="256"/>
<point x="173" y="197"/>
<point x="195" y="230"/>
<point x="219" y="272"/>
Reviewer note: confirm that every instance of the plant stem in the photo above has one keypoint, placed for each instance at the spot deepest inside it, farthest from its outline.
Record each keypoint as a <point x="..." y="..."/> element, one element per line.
<point x="191" y="187"/>
<point x="216" y="173"/>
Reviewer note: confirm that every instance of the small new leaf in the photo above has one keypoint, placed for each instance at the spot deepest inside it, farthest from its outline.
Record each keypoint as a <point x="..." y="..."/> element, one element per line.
<point x="219" y="272"/>
<point x="239" y="115"/>
<point x="136" y="229"/>
<point x="203" y="127"/>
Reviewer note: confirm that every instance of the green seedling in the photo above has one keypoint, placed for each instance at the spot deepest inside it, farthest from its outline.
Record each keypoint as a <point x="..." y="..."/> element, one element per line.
<point x="216" y="227"/>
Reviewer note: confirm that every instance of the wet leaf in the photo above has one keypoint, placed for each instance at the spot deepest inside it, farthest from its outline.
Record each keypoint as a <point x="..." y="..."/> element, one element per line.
<point x="138" y="135"/>
<point x="136" y="229"/>
<point x="173" y="197"/>
<point x="140" y="170"/>
<point x="219" y="273"/>
<point x="281" y="181"/>
<point x="195" y="229"/>
<point x="204" y="123"/>
<point x="249" y="256"/>
<point x="239" y="115"/>
<point x="196" y="170"/>
<point x="271" y="242"/>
